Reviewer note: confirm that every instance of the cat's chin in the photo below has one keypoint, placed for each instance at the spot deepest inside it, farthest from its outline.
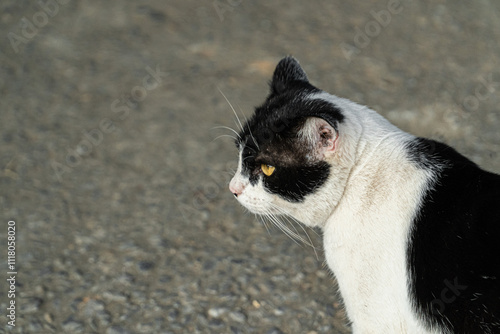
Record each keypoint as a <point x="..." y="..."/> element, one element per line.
<point x="257" y="206"/>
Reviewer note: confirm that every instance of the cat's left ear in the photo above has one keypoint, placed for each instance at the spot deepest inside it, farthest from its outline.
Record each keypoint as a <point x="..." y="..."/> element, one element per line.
<point x="286" y="74"/>
<point x="321" y="136"/>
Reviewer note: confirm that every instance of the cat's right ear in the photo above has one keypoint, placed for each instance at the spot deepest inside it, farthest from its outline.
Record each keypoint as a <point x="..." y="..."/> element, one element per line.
<point x="321" y="136"/>
<point x="287" y="72"/>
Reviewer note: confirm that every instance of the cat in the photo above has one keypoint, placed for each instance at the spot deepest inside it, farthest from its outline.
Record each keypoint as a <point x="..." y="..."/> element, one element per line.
<point x="411" y="228"/>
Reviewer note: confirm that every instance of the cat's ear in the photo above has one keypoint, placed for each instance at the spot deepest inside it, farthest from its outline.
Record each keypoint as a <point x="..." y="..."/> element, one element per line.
<point x="321" y="136"/>
<point x="287" y="72"/>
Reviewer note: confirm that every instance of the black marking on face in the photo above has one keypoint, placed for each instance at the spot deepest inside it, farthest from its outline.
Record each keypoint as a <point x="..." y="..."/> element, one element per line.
<point x="271" y="135"/>
<point x="294" y="183"/>
<point x="293" y="180"/>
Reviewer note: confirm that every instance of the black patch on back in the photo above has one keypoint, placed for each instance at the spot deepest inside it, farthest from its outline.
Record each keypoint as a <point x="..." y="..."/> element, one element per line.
<point x="454" y="248"/>
<point x="270" y="135"/>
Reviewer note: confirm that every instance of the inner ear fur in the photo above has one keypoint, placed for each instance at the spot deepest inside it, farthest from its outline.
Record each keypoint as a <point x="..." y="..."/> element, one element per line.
<point x="320" y="136"/>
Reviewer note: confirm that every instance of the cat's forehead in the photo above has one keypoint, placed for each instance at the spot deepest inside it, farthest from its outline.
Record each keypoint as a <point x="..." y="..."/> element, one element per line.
<point x="281" y="117"/>
<point x="274" y="119"/>
<point x="272" y="137"/>
<point x="277" y="152"/>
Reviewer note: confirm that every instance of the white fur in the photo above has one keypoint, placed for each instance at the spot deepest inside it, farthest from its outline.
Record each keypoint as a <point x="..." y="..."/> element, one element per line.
<point x="365" y="210"/>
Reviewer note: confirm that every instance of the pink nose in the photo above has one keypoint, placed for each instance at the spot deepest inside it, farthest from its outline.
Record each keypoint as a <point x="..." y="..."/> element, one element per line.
<point x="236" y="187"/>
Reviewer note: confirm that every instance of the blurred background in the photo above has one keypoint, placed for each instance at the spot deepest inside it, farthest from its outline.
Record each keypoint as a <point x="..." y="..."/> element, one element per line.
<point x="110" y="166"/>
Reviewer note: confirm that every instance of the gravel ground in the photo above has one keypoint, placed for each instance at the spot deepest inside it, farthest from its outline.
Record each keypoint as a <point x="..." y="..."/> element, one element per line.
<point x="118" y="190"/>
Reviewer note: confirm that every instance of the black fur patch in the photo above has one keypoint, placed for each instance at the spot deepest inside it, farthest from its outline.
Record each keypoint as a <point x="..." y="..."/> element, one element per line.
<point x="287" y="73"/>
<point x="294" y="183"/>
<point x="271" y="135"/>
<point x="454" y="249"/>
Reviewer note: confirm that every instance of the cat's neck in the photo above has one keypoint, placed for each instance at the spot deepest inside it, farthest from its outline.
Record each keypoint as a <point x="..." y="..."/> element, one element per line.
<point x="370" y="161"/>
<point x="372" y="154"/>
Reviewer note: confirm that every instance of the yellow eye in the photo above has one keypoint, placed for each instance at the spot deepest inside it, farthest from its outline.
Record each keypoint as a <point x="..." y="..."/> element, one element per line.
<point x="267" y="169"/>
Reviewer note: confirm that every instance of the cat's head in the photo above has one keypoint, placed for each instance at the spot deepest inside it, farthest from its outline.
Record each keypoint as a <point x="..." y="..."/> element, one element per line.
<point x="290" y="150"/>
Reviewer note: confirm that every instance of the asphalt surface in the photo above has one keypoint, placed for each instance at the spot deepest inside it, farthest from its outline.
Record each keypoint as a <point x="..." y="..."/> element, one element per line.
<point x="117" y="187"/>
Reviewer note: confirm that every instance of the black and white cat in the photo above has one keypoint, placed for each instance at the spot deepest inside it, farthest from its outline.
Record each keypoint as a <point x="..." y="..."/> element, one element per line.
<point x="411" y="228"/>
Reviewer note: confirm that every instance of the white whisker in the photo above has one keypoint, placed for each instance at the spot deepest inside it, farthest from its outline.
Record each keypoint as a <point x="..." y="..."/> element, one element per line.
<point x="310" y="242"/>
<point x="251" y="149"/>
<point x="295" y="235"/>
<point x="249" y="130"/>
<point x="289" y="233"/>
<point x="246" y="158"/>
<point x="264" y="223"/>
<point x="233" y="137"/>
<point x="232" y="108"/>
<point x="227" y="128"/>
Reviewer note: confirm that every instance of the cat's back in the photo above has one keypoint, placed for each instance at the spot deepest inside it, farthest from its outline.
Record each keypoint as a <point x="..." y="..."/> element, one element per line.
<point x="454" y="247"/>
